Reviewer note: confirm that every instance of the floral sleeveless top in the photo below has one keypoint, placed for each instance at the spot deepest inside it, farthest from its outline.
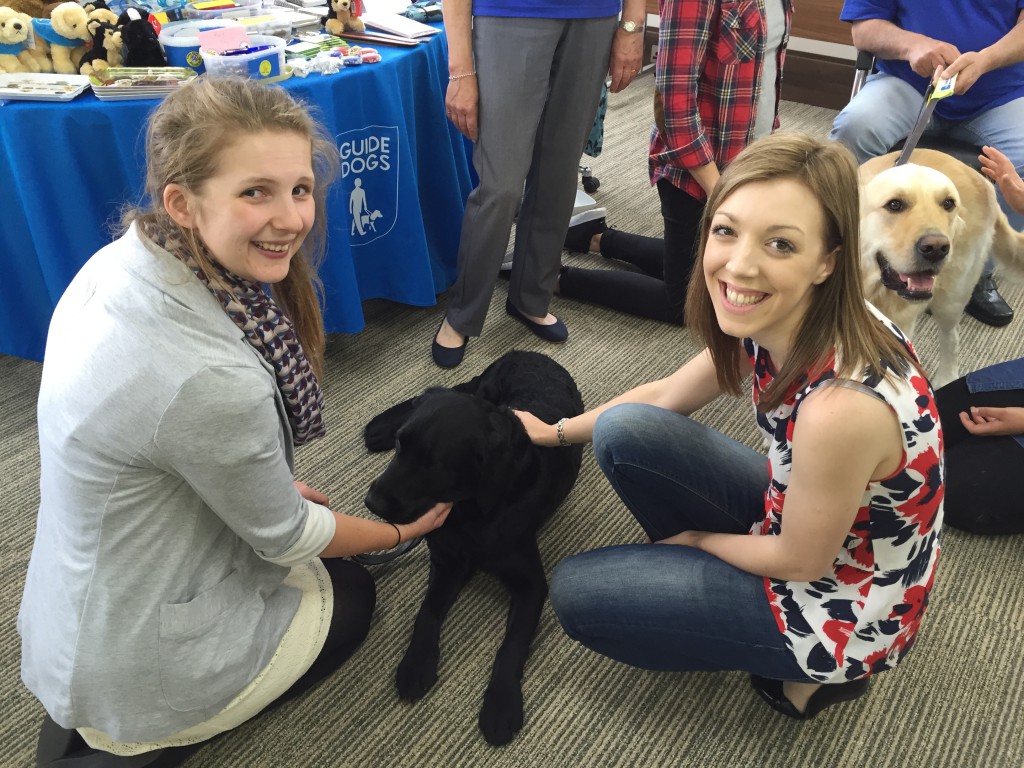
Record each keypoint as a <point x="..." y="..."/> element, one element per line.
<point x="862" y="616"/>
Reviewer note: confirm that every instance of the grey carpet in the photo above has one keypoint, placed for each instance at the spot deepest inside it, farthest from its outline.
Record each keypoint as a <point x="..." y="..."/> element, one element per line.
<point x="957" y="701"/>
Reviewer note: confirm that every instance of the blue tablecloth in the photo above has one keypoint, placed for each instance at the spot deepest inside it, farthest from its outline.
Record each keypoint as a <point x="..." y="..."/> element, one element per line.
<point x="66" y="170"/>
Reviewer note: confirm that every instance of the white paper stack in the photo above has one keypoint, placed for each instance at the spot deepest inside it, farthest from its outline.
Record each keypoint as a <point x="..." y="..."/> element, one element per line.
<point x="397" y="25"/>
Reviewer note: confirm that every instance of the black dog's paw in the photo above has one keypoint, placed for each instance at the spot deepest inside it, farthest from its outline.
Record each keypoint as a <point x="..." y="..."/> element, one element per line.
<point x="501" y="716"/>
<point x="417" y="673"/>
<point x="379" y="435"/>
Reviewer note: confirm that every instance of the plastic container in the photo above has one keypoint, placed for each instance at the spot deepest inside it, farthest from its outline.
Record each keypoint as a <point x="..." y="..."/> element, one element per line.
<point x="240" y="9"/>
<point x="180" y="41"/>
<point x="259" y="65"/>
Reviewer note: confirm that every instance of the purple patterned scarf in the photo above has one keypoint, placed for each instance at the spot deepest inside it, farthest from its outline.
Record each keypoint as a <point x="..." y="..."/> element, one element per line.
<point x="267" y="329"/>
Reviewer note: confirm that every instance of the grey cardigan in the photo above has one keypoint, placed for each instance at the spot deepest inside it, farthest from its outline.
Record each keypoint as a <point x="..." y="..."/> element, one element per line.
<point x="167" y="517"/>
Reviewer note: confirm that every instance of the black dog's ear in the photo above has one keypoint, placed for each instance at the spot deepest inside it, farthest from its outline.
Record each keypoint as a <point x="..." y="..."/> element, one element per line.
<point x="379" y="434"/>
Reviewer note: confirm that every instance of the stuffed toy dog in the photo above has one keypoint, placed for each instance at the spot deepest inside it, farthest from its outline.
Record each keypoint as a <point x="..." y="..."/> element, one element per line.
<point x="343" y="15"/>
<point x="141" y="43"/>
<point x="15" y="28"/>
<point x="66" y="32"/>
<point x="106" y="48"/>
<point x="98" y="11"/>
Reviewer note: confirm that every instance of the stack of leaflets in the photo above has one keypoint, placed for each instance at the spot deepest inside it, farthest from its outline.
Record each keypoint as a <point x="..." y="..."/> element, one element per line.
<point x="400" y="26"/>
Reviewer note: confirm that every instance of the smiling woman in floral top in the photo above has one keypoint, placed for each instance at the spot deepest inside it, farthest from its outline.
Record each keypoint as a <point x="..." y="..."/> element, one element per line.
<point x="811" y="571"/>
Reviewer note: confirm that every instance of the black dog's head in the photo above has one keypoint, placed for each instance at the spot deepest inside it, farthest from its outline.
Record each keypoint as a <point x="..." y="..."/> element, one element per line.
<point x="441" y="452"/>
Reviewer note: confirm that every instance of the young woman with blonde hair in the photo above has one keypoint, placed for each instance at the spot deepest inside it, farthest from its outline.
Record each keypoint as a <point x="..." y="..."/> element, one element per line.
<point x="175" y="587"/>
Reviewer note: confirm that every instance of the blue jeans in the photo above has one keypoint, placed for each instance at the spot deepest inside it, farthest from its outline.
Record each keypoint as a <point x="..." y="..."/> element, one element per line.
<point x="668" y="607"/>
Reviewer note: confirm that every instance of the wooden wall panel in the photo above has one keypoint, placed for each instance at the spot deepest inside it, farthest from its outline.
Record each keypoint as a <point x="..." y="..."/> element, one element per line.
<point x="819" y="20"/>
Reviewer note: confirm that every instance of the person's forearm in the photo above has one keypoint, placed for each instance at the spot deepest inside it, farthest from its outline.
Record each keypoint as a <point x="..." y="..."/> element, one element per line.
<point x="759" y="555"/>
<point x="580" y="429"/>
<point x="883" y="38"/>
<point x="1008" y="50"/>
<point x="355" y="535"/>
<point x="458" y="27"/>
<point x="684" y="391"/>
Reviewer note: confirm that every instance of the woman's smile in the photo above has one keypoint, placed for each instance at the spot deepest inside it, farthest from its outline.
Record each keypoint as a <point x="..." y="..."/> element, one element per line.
<point x="741" y="299"/>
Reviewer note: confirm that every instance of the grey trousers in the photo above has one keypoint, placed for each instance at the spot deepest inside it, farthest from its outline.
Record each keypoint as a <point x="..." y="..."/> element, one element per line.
<point x="540" y="83"/>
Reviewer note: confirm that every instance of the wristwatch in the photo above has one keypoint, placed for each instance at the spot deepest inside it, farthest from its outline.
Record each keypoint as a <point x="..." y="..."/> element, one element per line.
<point x="631" y="26"/>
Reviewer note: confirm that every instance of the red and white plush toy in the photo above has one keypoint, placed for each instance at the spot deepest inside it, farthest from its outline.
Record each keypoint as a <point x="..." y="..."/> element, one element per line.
<point x="343" y="16"/>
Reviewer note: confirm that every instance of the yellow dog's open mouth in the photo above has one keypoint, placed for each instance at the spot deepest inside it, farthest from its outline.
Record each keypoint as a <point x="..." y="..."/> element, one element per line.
<point x="912" y="286"/>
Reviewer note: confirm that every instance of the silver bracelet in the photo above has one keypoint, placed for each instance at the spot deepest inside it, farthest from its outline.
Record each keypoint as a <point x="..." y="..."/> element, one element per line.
<point x="560" y="431"/>
<point x="459" y="77"/>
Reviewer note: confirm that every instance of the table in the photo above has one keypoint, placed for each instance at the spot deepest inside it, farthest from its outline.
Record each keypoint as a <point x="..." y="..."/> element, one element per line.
<point x="66" y="170"/>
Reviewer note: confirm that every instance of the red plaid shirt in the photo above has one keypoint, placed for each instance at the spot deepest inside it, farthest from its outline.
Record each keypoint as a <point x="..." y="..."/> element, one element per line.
<point x="707" y="84"/>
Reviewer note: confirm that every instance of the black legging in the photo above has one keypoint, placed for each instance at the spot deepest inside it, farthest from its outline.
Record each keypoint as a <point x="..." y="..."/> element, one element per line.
<point x="983" y="485"/>
<point x="659" y="290"/>
<point x="355" y="596"/>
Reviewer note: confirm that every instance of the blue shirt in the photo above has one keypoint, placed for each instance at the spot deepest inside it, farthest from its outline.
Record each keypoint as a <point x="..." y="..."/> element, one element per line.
<point x="999" y="377"/>
<point x="970" y="25"/>
<point x="547" y="9"/>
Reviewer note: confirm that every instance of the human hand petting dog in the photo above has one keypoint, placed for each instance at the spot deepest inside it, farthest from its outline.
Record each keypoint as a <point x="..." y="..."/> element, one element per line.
<point x="998" y="167"/>
<point x="990" y="422"/>
<point x="429" y="521"/>
<point x="540" y="432"/>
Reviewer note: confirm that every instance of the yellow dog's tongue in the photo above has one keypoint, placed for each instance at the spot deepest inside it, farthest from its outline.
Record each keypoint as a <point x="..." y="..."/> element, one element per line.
<point x="919" y="281"/>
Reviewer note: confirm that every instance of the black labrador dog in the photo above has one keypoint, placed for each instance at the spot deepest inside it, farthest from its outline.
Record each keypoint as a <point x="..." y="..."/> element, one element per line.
<point x="465" y="445"/>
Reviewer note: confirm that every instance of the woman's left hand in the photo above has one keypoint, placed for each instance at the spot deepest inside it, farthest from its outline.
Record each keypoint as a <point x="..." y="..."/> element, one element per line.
<point x="311" y="494"/>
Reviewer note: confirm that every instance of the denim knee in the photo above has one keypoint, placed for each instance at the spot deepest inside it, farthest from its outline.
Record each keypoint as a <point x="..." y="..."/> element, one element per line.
<point x="857" y="129"/>
<point x="620" y="425"/>
<point x="561" y="595"/>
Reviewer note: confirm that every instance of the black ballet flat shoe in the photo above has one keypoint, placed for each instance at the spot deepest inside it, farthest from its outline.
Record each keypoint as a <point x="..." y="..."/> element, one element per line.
<point x="447" y="357"/>
<point x="555" y="333"/>
<point x="825" y="696"/>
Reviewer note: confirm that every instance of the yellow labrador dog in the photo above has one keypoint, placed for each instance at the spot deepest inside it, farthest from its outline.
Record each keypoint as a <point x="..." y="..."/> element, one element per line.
<point x="926" y="229"/>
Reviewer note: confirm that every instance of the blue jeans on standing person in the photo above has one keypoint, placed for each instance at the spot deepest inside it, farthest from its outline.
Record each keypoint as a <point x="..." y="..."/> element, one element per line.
<point x="670" y="607"/>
